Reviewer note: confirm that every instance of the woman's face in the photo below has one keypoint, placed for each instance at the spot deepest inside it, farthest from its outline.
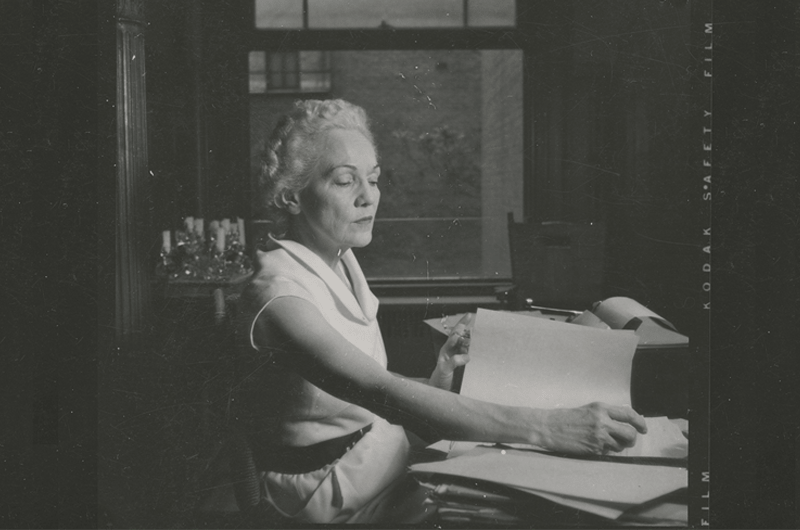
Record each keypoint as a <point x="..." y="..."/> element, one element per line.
<point x="336" y="210"/>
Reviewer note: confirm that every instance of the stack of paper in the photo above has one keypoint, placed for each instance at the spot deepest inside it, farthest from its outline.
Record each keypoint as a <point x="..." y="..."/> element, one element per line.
<point x="605" y="489"/>
<point x="474" y="502"/>
<point x="522" y="361"/>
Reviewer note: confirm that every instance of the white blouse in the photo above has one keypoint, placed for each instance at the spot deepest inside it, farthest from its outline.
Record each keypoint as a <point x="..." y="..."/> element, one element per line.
<point x="295" y="411"/>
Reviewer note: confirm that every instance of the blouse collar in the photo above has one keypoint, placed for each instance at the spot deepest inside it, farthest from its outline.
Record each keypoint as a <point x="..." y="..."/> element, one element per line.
<point x="360" y="301"/>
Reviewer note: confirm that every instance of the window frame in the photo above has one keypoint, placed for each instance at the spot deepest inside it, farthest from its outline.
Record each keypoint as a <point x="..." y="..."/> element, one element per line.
<point x="467" y="38"/>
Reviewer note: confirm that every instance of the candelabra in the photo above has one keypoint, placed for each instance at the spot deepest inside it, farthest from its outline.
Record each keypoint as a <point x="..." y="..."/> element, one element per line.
<point x="218" y="257"/>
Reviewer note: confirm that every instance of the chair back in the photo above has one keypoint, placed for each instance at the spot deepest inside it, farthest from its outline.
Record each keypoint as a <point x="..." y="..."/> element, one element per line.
<point x="232" y="483"/>
<point x="557" y="264"/>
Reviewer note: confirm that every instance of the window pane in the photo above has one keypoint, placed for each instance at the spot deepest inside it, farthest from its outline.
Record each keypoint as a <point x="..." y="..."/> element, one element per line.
<point x="258" y="67"/>
<point x="283" y="70"/>
<point x="279" y="14"/>
<point x="448" y="128"/>
<point x="491" y="13"/>
<point x="291" y="69"/>
<point x="291" y="79"/>
<point x="312" y="61"/>
<point x="374" y="13"/>
<point x="315" y="82"/>
<point x="276" y="69"/>
<point x="314" y="71"/>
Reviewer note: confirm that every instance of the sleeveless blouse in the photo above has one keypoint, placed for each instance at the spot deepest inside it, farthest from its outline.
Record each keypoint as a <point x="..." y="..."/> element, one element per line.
<point x="282" y="407"/>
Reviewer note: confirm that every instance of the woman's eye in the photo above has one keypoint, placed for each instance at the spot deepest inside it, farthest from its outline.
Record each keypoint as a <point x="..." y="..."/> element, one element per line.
<point x="373" y="178"/>
<point x="343" y="181"/>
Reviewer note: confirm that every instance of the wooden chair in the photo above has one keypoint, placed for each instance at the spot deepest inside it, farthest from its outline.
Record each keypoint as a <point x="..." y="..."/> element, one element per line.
<point x="556" y="264"/>
<point x="231" y="487"/>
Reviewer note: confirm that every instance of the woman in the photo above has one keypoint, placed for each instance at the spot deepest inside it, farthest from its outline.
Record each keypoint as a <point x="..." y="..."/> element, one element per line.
<point x="328" y="420"/>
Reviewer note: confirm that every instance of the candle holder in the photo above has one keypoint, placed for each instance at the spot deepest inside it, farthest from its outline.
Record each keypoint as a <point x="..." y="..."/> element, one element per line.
<point x="195" y="257"/>
<point x="166" y="263"/>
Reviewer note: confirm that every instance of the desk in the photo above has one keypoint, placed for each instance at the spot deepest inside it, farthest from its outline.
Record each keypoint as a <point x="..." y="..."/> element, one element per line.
<point x="537" y="488"/>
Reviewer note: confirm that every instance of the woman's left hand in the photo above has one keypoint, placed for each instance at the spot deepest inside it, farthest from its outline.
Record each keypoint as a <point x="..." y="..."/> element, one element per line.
<point x="453" y="354"/>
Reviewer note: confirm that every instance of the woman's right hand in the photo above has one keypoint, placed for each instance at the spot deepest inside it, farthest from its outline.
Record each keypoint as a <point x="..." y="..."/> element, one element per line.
<point x="594" y="429"/>
<point x="453" y="354"/>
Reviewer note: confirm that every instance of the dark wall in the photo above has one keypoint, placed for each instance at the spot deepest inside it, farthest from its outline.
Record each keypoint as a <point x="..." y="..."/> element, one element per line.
<point x="171" y="96"/>
<point x="197" y="110"/>
<point x="616" y="127"/>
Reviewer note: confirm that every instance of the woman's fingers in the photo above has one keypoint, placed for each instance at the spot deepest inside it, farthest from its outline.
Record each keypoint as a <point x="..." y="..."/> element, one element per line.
<point x="454" y="342"/>
<point x="596" y="428"/>
<point x="460" y="360"/>
<point x="466" y="320"/>
<point x="454" y="353"/>
<point x="624" y="426"/>
<point x="463" y="325"/>
<point x="629" y="416"/>
<point x="459" y="339"/>
<point x="623" y="435"/>
<point x="463" y="343"/>
<point x="612" y="445"/>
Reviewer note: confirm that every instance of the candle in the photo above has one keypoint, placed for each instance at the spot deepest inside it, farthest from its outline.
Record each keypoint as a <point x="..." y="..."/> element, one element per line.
<point x="221" y="239"/>
<point x="198" y="227"/>
<point x="226" y="224"/>
<point x="166" y="237"/>
<point x="213" y="226"/>
<point x="189" y="221"/>
<point x="240" y="222"/>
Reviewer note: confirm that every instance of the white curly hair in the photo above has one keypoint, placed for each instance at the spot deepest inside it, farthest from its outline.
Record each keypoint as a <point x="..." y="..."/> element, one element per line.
<point x="292" y="151"/>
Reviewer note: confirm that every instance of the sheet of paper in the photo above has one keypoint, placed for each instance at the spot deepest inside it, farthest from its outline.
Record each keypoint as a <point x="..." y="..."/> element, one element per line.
<point x="619" y="310"/>
<point x="464" y="495"/>
<point x="585" y="479"/>
<point x="609" y="510"/>
<point x="587" y="318"/>
<point x="536" y="362"/>
<point x="664" y="439"/>
<point x="667" y="513"/>
<point x="444" y="324"/>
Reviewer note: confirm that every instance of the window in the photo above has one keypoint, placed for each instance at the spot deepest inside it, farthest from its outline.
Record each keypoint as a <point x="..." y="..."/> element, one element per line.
<point x="448" y="123"/>
<point x="350" y="14"/>
<point x="289" y="71"/>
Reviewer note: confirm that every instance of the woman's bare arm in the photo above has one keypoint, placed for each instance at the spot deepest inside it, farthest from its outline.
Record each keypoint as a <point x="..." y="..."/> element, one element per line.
<point x="324" y="357"/>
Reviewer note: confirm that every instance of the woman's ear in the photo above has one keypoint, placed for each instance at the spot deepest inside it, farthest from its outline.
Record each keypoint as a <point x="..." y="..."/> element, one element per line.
<point x="291" y="201"/>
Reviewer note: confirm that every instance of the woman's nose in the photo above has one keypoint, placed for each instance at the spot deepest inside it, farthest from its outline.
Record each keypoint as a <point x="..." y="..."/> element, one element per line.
<point x="368" y="194"/>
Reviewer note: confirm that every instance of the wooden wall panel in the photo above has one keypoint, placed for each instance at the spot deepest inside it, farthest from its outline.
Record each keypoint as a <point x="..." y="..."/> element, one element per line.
<point x="132" y="262"/>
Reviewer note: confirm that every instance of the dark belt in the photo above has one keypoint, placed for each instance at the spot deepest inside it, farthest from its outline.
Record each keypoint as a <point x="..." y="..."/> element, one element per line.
<point x="296" y="460"/>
